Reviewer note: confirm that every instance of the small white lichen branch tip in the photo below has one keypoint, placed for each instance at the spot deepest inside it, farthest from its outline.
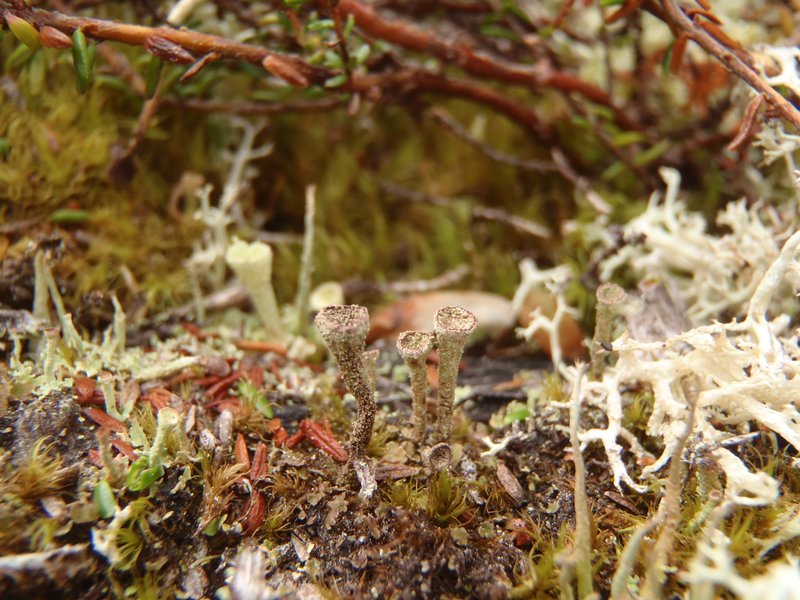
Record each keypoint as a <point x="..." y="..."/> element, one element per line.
<point x="414" y="347"/>
<point x="452" y="325"/>
<point x="344" y="329"/>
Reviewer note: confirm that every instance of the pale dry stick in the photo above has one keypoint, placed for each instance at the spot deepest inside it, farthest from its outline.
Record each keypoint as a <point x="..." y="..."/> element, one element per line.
<point x="677" y="18"/>
<point x="452" y="325"/>
<point x="583" y="521"/>
<point x="619" y="584"/>
<point x="414" y="347"/>
<point x="705" y="590"/>
<point x="344" y="329"/>
<point x="653" y="584"/>
<point x="447" y="121"/>
<point x="306" y="262"/>
<point x="769" y="347"/>
<point x="478" y="212"/>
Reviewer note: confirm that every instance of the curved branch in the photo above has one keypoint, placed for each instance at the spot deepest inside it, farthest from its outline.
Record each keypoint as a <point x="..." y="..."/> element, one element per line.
<point x="477" y="63"/>
<point x="675" y="17"/>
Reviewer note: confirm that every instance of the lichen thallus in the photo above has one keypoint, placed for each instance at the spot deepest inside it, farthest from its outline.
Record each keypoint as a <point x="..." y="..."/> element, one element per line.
<point x="344" y="329"/>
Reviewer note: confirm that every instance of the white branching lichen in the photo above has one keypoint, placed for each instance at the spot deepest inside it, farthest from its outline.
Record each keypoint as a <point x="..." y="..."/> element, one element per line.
<point x="553" y="280"/>
<point x="713" y="274"/>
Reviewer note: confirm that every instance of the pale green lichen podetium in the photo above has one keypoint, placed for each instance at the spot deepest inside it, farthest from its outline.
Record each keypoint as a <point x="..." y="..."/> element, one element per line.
<point x="344" y="329"/>
<point x="452" y="325"/>
<point x="414" y="347"/>
<point x="252" y="263"/>
<point x="610" y="300"/>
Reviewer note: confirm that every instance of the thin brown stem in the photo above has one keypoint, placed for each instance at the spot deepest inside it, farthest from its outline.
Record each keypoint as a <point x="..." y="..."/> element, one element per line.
<point x="477" y="63"/>
<point x="677" y="19"/>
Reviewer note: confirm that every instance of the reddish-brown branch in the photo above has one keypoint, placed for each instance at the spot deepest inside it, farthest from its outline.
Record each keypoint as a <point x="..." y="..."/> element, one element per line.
<point x="424" y="81"/>
<point x="195" y="42"/>
<point x="201" y="44"/>
<point x="678" y="21"/>
<point x="477" y="63"/>
<point x="245" y="107"/>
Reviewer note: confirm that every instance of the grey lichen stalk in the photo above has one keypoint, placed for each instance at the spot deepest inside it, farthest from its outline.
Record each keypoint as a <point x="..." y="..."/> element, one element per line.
<point x="344" y="329"/>
<point x="414" y="347"/>
<point x="452" y="325"/>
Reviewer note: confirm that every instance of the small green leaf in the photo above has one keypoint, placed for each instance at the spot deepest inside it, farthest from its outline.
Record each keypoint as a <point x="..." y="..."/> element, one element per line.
<point x="361" y="55"/>
<point x="263" y="406"/>
<point x="37" y="73"/>
<point x="333" y="60"/>
<point x="516" y="415"/>
<point x="5" y="147"/>
<point x="141" y="475"/>
<point x="667" y="59"/>
<point x="320" y="25"/>
<point x="20" y="56"/>
<point x="626" y="138"/>
<point x="104" y="498"/>
<point x="212" y="528"/>
<point x="336" y="81"/>
<point x="651" y="153"/>
<point x="83" y="59"/>
<point x="349" y="25"/>
<point x="69" y="216"/>
<point x="498" y="31"/>
<point x="24" y="31"/>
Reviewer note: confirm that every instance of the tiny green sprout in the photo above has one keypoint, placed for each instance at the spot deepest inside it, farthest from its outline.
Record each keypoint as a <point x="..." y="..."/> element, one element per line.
<point x="214" y="526"/>
<point x="104" y="499"/>
<point x="149" y="468"/>
<point x="141" y="475"/>
<point x="251" y="396"/>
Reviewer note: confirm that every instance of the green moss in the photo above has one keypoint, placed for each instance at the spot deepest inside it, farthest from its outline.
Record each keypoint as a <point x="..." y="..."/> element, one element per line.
<point x="447" y="499"/>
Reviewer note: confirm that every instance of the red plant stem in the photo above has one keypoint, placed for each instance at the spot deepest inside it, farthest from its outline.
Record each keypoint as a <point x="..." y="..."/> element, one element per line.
<point x="677" y="19"/>
<point x="475" y="62"/>
<point x="407" y="81"/>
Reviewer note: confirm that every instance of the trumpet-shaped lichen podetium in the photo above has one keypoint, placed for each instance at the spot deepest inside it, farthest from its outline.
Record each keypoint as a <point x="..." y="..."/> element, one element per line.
<point x="414" y="347"/>
<point x="252" y="264"/>
<point x="452" y="325"/>
<point x="344" y="329"/>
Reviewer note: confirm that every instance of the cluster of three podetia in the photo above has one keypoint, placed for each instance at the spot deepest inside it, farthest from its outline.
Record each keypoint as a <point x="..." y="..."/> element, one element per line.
<point x="344" y="329"/>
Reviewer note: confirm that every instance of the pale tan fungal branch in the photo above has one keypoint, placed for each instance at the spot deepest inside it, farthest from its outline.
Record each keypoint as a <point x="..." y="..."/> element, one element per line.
<point x="414" y="347"/>
<point x="344" y="329"/>
<point x="452" y="325"/>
